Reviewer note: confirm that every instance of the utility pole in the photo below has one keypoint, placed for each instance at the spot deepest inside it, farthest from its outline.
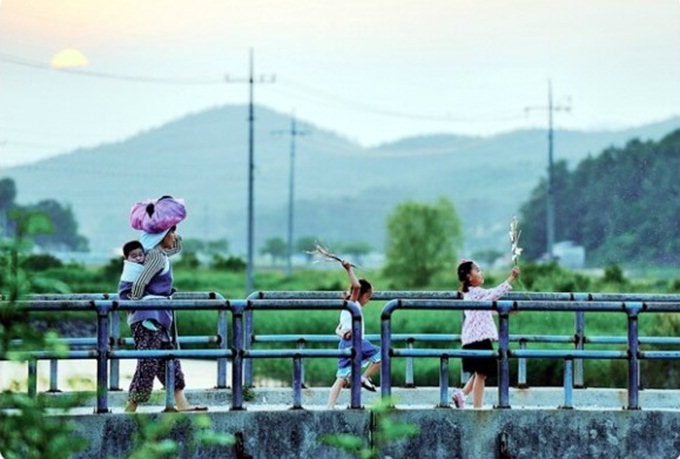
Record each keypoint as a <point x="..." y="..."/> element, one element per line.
<point x="550" y="198"/>
<point x="251" y="162"/>
<point x="294" y="132"/>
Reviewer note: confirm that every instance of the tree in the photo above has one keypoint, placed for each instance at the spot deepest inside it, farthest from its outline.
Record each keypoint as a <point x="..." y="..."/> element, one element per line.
<point x="65" y="234"/>
<point x="276" y="247"/>
<point x="357" y="250"/>
<point x="305" y="244"/>
<point x="422" y="241"/>
<point x="8" y="192"/>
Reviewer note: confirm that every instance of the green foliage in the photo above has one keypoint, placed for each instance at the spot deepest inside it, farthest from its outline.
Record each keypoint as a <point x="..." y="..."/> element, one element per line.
<point x="620" y="205"/>
<point x="41" y="262"/>
<point x="209" y="247"/>
<point x="275" y="247"/>
<point x="551" y="277"/>
<point x="26" y="432"/>
<point x="231" y="263"/>
<point x="356" y="250"/>
<point x="614" y="274"/>
<point x="63" y="232"/>
<point x="189" y="260"/>
<point x="306" y="244"/>
<point x="388" y="429"/>
<point x="422" y="241"/>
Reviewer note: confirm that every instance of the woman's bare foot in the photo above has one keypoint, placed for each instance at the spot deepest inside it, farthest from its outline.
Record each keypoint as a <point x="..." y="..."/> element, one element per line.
<point x="130" y="407"/>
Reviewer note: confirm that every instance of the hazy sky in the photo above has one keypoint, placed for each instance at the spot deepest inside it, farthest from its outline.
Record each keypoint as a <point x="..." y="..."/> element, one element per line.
<point x="373" y="70"/>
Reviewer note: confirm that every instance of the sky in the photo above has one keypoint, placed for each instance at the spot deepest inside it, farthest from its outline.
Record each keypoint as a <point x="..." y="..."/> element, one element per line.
<point x="371" y="70"/>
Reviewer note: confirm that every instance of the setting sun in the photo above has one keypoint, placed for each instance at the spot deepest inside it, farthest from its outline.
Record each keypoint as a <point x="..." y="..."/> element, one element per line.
<point x="68" y="58"/>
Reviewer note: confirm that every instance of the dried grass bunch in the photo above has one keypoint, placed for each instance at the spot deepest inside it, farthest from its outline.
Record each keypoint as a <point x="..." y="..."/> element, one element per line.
<point x="322" y="253"/>
<point x="516" y="250"/>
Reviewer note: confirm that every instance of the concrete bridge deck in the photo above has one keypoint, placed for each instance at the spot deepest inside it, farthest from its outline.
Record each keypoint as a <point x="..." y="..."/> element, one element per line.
<point x="268" y="398"/>
<point x="598" y="427"/>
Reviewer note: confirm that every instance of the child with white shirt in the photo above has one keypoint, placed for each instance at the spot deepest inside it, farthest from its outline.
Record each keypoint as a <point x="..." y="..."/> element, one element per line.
<point x="360" y="293"/>
<point x="479" y="330"/>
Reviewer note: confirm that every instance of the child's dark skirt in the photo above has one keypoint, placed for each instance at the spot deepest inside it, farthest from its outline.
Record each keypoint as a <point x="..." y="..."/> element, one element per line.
<point x="484" y="366"/>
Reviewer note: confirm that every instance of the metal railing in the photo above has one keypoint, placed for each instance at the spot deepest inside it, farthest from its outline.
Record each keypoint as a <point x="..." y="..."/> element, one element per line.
<point x="579" y="338"/>
<point x="632" y="309"/>
<point x="105" y="352"/>
<point x="221" y="338"/>
<point x="239" y="349"/>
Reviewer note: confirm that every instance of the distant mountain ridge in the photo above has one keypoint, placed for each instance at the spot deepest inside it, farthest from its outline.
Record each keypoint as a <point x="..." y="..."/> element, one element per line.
<point x="343" y="191"/>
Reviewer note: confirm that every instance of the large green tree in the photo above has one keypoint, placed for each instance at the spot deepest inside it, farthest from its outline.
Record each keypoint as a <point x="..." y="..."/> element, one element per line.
<point x="422" y="241"/>
<point x="621" y="205"/>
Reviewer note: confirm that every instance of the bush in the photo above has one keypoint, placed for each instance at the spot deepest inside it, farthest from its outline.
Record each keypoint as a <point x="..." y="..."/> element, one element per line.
<point x="614" y="274"/>
<point x="231" y="264"/>
<point x="41" y="262"/>
<point x="189" y="260"/>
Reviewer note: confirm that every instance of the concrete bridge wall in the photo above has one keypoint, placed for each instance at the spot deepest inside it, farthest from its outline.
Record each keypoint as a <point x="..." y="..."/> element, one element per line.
<point x="444" y="433"/>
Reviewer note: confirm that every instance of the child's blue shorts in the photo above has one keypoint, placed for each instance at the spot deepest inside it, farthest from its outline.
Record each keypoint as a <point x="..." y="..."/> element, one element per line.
<point x="370" y="353"/>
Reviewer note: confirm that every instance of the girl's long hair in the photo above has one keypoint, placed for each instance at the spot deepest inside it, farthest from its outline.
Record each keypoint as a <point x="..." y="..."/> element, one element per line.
<point x="464" y="270"/>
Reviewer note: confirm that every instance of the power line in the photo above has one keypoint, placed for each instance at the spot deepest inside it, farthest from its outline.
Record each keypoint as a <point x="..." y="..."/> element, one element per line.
<point x="9" y="59"/>
<point x="324" y="97"/>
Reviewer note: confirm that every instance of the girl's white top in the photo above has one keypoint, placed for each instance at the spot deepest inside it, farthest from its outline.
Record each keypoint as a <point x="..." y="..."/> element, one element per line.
<point x="346" y="319"/>
<point x="479" y="325"/>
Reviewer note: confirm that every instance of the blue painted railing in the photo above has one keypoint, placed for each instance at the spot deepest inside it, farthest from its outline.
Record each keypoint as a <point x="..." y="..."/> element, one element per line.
<point x="241" y="352"/>
<point x="579" y="338"/>
<point x="632" y="309"/>
<point x="104" y="351"/>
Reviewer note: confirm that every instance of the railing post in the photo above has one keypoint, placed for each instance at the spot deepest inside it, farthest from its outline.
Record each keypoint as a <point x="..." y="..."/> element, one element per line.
<point x="409" y="382"/>
<point x="297" y="383"/>
<point x="385" y="345"/>
<point x="114" y="364"/>
<point x="522" y="367"/>
<point x="237" y="364"/>
<point x="170" y="385"/>
<point x="102" y="356"/>
<point x="568" y="384"/>
<point x="32" y="378"/>
<point x="248" y="344"/>
<point x="301" y="345"/>
<point x="444" y="383"/>
<point x="357" y="357"/>
<point x="464" y="375"/>
<point x="633" y="309"/>
<point x="504" y="308"/>
<point x="223" y="335"/>
<point x="579" y="338"/>
<point x="54" y="376"/>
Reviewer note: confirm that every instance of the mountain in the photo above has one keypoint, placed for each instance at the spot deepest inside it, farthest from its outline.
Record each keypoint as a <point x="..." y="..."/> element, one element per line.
<point x="344" y="192"/>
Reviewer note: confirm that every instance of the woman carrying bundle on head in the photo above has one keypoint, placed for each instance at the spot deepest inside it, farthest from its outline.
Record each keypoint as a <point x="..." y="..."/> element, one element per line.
<point x="151" y="328"/>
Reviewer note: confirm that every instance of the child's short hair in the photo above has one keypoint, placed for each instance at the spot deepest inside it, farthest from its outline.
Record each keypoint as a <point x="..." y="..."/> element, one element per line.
<point x="130" y="246"/>
<point x="365" y="286"/>
<point x="464" y="270"/>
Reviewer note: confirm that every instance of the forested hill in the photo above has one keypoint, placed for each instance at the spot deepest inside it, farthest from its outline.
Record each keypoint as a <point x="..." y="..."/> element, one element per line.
<point x="622" y="205"/>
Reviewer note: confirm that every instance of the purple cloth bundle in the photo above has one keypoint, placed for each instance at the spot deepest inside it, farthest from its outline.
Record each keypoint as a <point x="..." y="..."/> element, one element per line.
<point x="156" y="215"/>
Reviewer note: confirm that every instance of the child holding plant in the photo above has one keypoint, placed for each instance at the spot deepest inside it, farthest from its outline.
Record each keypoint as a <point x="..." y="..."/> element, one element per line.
<point x="479" y="329"/>
<point x="360" y="293"/>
